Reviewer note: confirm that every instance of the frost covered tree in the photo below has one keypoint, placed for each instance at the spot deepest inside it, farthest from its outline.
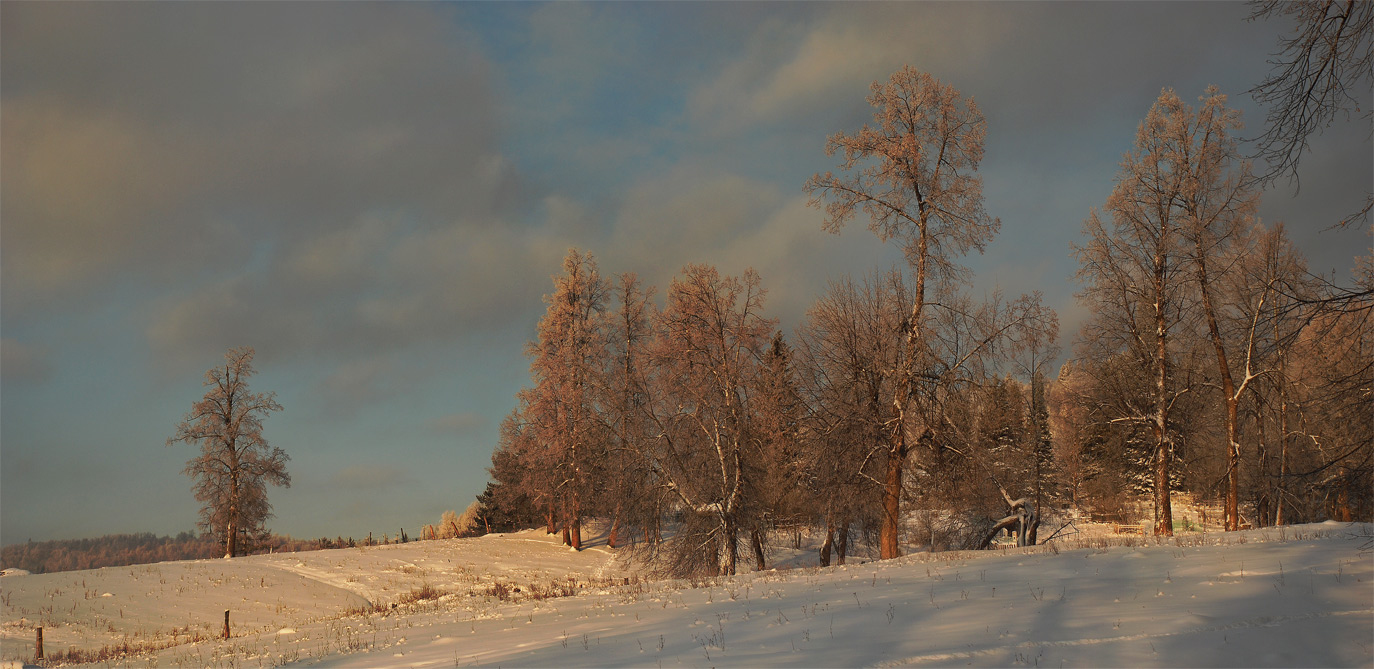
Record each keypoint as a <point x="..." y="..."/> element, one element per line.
<point x="1218" y="206"/>
<point x="914" y="174"/>
<point x="566" y="357"/>
<point x="848" y="361"/>
<point x="1133" y="269"/>
<point x="1275" y="294"/>
<point x="236" y="463"/>
<point x="778" y="469"/>
<point x="706" y="358"/>
<point x="633" y="499"/>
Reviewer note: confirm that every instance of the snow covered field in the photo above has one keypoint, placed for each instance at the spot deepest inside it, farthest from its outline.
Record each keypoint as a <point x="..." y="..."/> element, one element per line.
<point x="1296" y="596"/>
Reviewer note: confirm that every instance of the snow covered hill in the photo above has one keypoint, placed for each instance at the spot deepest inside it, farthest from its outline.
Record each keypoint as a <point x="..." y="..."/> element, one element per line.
<point x="1296" y="596"/>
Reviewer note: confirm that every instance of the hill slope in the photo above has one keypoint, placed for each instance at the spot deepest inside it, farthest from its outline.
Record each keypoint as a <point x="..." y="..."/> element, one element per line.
<point x="1297" y="596"/>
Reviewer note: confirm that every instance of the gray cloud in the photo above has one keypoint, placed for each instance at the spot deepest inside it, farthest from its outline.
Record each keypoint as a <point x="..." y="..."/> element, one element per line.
<point x="458" y="423"/>
<point x="153" y="142"/>
<point x="370" y="478"/>
<point x="24" y="362"/>
<point x="1030" y="56"/>
<point x="348" y="295"/>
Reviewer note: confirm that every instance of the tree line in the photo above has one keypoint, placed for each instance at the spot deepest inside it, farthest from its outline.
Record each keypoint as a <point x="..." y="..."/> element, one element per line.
<point x="119" y="550"/>
<point x="1214" y="362"/>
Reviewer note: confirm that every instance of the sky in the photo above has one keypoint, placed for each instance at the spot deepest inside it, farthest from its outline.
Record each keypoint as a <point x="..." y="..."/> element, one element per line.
<point x="375" y="197"/>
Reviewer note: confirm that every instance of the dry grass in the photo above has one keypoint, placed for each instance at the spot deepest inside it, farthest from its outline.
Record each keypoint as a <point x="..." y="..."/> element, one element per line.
<point x="117" y="651"/>
<point x="423" y="593"/>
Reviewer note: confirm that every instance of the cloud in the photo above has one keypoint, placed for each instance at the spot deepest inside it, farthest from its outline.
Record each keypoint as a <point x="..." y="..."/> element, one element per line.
<point x="1025" y="60"/>
<point x="357" y="384"/>
<point x="366" y="290"/>
<point x="458" y="423"/>
<point x="686" y="215"/>
<point x="151" y="143"/>
<point x="370" y="478"/>
<point x="810" y="69"/>
<point x="735" y="222"/>
<point x="24" y="362"/>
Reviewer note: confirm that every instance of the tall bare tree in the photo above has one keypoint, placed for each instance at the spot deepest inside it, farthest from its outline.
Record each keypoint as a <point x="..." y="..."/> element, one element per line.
<point x="914" y="174"/>
<point x="236" y="463"/>
<point x="567" y="356"/>
<point x="635" y="500"/>
<point x="1132" y="268"/>
<point x="1273" y="293"/>
<point x="1218" y="205"/>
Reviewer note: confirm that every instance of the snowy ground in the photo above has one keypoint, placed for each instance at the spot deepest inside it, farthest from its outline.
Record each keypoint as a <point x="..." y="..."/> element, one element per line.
<point x="1297" y="596"/>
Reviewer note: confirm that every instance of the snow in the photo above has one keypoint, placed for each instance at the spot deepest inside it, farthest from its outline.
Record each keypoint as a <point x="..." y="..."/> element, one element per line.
<point x="1295" y="596"/>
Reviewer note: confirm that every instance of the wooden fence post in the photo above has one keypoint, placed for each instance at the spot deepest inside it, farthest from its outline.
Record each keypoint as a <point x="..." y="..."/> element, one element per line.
<point x="226" y="623"/>
<point x="38" y="653"/>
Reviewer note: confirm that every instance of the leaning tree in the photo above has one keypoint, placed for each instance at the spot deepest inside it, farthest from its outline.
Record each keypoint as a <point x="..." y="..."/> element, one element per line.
<point x="235" y="463"/>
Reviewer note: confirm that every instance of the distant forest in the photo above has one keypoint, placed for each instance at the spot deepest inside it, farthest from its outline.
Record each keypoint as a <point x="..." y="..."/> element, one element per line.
<point x="119" y="550"/>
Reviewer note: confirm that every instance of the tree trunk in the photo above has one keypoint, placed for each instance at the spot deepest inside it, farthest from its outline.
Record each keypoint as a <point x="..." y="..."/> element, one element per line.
<point x="1343" y="512"/>
<point x="757" y="541"/>
<point x="843" y="546"/>
<point x="1232" y="458"/>
<point x="731" y="557"/>
<point x="892" y="494"/>
<point x="615" y="529"/>
<point x="889" y="529"/>
<point x="1265" y="502"/>
<point x="1228" y="389"/>
<point x="576" y="533"/>
<point x="231" y="534"/>
<point x="1164" y="521"/>
<point x="825" y="547"/>
<point x="1283" y="434"/>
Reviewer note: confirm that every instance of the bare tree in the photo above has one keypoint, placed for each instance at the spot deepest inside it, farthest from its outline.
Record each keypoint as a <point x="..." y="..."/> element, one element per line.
<point x="970" y="346"/>
<point x="1070" y="423"/>
<point x="1217" y="205"/>
<point x="635" y="502"/>
<point x="712" y="336"/>
<point x="1279" y="272"/>
<point x="566" y="357"/>
<point x="1330" y="370"/>
<point x="914" y="173"/>
<point x="775" y="469"/>
<point x="236" y="463"/>
<point x="848" y="361"/>
<point x="1324" y="67"/>
<point x="1041" y="346"/>
<point x="1132" y="268"/>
